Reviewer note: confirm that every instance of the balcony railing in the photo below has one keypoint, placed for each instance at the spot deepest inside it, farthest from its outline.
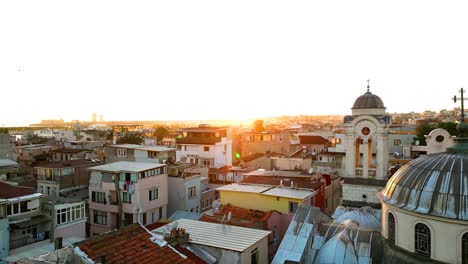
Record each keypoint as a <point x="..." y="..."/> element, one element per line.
<point x="24" y="241"/>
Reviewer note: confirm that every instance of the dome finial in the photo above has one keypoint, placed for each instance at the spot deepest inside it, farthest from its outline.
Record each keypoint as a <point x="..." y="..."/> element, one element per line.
<point x="368" y="81"/>
<point x="461" y="141"/>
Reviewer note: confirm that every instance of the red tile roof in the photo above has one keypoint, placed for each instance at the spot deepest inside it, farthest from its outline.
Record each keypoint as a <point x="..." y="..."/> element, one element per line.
<point x="8" y="191"/>
<point x="301" y="182"/>
<point x="67" y="164"/>
<point x="155" y="225"/>
<point x="130" y="244"/>
<point x="315" y="140"/>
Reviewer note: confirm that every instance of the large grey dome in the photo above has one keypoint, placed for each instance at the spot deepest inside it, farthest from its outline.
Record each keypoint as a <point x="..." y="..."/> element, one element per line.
<point x="368" y="100"/>
<point x="435" y="184"/>
<point x="363" y="218"/>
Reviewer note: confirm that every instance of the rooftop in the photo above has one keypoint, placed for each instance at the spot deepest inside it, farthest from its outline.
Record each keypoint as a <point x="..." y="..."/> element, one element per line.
<point x="262" y="172"/>
<point x="131" y="244"/>
<point x="8" y="191"/>
<point x="72" y="151"/>
<point x="300" y="182"/>
<point x="7" y="163"/>
<point x="127" y="166"/>
<point x="228" y="237"/>
<point x="234" y="187"/>
<point x="142" y="147"/>
<point x="66" y="163"/>
<point x="289" y="192"/>
<point x="239" y="216"/>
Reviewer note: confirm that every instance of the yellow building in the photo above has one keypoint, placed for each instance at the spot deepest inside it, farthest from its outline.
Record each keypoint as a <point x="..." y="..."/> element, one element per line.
<point x="265" y="198"/>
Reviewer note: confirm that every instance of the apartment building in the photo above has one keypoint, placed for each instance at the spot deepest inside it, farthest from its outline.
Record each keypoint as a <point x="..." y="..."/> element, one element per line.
<point x="124" y="192"/>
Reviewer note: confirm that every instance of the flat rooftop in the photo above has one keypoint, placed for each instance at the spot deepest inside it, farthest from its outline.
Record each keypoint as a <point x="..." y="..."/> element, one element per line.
<point x="127" y="166"/>
<point x="215" y="235"/>
<point x="261" y="172"/>
<point x="289" y="193"/>
<point x="142" y="147"/>
<point x="234" y="187"/>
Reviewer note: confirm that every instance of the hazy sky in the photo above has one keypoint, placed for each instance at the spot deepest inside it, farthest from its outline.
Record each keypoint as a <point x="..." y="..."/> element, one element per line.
<point x="158" y="60"/>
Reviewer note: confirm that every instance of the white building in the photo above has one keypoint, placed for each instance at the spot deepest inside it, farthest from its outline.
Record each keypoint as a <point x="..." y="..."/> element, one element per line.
<point x="205" y="145"/>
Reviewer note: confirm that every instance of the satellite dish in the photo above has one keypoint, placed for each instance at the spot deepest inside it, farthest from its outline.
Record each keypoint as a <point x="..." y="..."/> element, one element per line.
<point x="311" y="170"/>
<point x="417" y="142"/>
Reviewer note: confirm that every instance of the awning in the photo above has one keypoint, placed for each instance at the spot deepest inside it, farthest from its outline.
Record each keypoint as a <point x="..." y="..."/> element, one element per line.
<point x="32" y="221"/>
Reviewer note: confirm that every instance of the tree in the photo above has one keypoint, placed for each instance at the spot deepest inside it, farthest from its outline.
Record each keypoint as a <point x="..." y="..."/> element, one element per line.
<point x="130" y="139"/>
<point x="160" y="132"/>
<point x="425" y="129"/>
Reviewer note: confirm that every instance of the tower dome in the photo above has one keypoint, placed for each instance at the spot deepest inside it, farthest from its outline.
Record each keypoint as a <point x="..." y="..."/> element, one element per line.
<point x="368" y="100"/>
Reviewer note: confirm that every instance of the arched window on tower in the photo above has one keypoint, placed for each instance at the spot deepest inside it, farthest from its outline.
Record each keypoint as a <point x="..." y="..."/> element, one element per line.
<point x="391" y="227"/>
<point x="422" y="240"/>
<point x="465" y="249"/>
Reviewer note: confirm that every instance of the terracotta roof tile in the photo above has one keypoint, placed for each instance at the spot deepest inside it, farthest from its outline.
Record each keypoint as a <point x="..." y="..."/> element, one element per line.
<point x="130" y="244"/>
<point x="8" y="191"/>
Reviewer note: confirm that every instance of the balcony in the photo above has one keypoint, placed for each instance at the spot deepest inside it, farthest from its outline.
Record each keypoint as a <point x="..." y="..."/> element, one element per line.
<point x="24" y="241"/>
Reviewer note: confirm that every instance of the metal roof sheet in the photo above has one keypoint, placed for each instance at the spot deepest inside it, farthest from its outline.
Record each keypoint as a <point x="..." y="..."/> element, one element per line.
<point x="7" y="162"/>
<point x="289" y="193"/>
<point x="127" y="166"/>
<point x="218" y="235"/>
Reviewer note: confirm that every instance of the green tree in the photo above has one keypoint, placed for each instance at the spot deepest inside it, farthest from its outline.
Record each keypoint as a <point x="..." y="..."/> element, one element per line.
<point x="130" y="139"/>
<point x="425" y="129"/>
<point x="160" y="132"/>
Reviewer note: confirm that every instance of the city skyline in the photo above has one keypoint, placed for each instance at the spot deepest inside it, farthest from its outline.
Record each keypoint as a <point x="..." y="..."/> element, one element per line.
<point x="213" y="60"/>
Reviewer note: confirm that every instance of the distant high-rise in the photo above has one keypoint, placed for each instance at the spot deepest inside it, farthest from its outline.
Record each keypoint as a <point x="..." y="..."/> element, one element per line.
<point x="101" y="118"/>
<point x="94" y="117"/>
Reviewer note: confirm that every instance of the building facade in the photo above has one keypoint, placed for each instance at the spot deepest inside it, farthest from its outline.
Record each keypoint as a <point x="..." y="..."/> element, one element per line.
<point x="123" y="193"/>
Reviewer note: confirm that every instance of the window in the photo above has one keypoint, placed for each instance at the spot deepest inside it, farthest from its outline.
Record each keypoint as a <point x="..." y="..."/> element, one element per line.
<point x="207" y="163"/>
<point x="121" y="152"/>
<point x="100" y="217"/>
<point x="160" y="213"/>
<point x="206" y="148"/>
<point x="128" y="219"/>
<point x="465" y="249"/>
<point x="143" y="216"/>
<point x="126" y="197"/>
<point x="153" y="194"/>
<point x="70" y="214"/>
<point x="397" y="142"/>
<point x="292" y="207"/>
<point x="22" y="207"/>
<point x="192" y="192"/>
<point x="32" y="229"/>
<point x="254" y="256"/>
<point x="391" y="227"/>
<point x="422" y="240"/>
<point x="98" y="197"/>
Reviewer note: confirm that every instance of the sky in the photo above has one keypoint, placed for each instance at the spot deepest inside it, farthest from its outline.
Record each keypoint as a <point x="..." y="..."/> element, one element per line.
<point x="193" y="60"/>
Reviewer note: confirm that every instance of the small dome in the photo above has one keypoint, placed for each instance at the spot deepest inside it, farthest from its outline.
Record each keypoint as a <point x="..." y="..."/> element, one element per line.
<point x="435" y="184"/>
<point x="363" y="218"/>
<point x="338" y="249"/>
<point x="368" y="100"/>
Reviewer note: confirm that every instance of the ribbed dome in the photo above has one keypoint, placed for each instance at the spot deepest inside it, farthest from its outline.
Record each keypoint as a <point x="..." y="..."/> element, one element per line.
<point x="368" y="100"/>
<point x="435" y="184"/>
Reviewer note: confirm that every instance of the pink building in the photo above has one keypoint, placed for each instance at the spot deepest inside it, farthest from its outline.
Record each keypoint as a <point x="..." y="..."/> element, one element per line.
<point x="123" y="193"/>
